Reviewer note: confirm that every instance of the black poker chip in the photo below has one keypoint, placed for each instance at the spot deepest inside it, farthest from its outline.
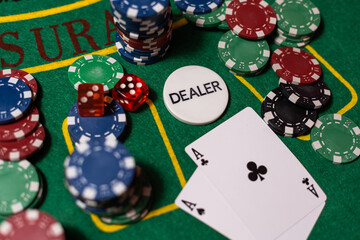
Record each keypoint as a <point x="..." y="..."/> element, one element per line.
<point x="311" y="96"/>
<point x="284" y="117"/>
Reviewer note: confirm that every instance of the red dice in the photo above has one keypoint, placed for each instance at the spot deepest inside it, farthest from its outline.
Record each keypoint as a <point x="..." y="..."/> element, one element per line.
<point x="131" y="91"/>
<point x="91" y="100"/>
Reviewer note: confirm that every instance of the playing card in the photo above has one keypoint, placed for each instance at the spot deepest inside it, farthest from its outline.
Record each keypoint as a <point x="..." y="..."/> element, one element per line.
<point x="201" y="200"/>
<point x="259" y="177"/>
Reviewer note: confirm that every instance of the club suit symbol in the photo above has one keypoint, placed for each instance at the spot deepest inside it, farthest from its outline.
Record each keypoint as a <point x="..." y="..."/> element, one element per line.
<point x="256" y="172"/>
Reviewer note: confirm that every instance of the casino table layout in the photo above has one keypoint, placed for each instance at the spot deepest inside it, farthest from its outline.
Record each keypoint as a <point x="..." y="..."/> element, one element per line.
<point x="45" y="37"/>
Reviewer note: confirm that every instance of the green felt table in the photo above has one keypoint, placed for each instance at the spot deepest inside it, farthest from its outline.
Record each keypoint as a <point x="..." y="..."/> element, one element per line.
<point x="40" y="37"/>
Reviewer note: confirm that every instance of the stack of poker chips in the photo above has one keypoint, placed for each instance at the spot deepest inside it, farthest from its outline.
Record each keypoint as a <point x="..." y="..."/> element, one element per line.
<point x="291" y="110"/>
<point x="297" y="22"/>
<point x="21" y="134"/>
<point x="212" y="19"/>
<point x="32" y="224"/>
<point x="144" y="29"/>
<point x="104" y="180"/>
<point x="244" y="49"/>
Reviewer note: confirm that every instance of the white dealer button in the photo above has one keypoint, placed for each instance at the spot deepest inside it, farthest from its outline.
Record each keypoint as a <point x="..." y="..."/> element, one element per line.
<point x="195" y="95"/>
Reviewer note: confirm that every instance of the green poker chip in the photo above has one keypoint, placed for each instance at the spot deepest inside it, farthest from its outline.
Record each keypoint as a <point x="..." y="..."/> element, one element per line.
<point x="95" y="69"/>
<point x="297" y="17"/>
<point x="19" y="186"/>
<point x="243" y="56"/>
<point x="211" y="19"/>
<point x="223" y="26"/>
<point x="285" y="42"/>
<point x="336" y="138"/>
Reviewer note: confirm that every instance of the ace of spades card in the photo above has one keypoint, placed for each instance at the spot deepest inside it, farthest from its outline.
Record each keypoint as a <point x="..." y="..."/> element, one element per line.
<point x="264" y="184"/>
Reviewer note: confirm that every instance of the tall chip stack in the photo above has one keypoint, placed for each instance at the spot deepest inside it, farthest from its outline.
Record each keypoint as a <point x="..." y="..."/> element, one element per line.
<point x="144" y="29"/>
<point x="21" y="136"/>
<point x="104" y="180"/>
<point x="297" y="22"/>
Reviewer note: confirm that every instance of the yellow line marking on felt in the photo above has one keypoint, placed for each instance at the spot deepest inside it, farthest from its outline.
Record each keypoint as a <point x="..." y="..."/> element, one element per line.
<point x="167" y="143"/>
<point x="67" y="138"/>
<point x="47" y="12"/>
<point x="250" y="87"/>
<point x="180" y="23"/>
<point x="114" y="227"/>
<point x="354" y="97"/>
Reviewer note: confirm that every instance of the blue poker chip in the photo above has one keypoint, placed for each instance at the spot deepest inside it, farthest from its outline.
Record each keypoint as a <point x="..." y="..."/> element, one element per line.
<point x="15" y="99"/>
<point x="99" y="171"/>
<point x="109" y="126"/>
<point x="198" y="6"/>
<point x="140" y="9"/>
<point x="141" y="24"/>
<point x="143" y="31"/>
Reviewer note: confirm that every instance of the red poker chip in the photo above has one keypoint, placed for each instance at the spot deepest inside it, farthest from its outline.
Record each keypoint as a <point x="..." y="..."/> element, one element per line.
<point x="251" y="19"/>
<point x="21" y="128"/>
<point x="31" y="224"/>
<point x="18" y="150"/>
<point x="295" y="65"/>
<point x="23" y="76"/>
<point x="148" y="45"/>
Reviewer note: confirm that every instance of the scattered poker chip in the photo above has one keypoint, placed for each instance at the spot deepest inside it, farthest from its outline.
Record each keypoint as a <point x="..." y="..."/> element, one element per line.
<point x="198" y="6"/>
<point x="109" y="126"/>
<point x="189" y="92"/>
<point x="19" y="129"/>
<point x="336" y="138"/>
<point x="24" y="148"/>
<point x="251" y="19"/>
<point x="297" y="17"/>
<point x="85" y="168"/>
<point x="312" y="96"/>
<point x="241" y="55"/>
<point x="295" y="65"/>
<point x="32" y="224"/>
<point x="95" y="69"/>
<point x="23" y="76"/>
<point x="284" y="117"/>
<point x="15" y="99"/>
<point x="19" y="186"/>
<point x="211" y="19"/>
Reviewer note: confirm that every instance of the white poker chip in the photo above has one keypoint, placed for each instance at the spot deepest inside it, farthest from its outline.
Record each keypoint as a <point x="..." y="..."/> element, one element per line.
<point x="195" y="95"/>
